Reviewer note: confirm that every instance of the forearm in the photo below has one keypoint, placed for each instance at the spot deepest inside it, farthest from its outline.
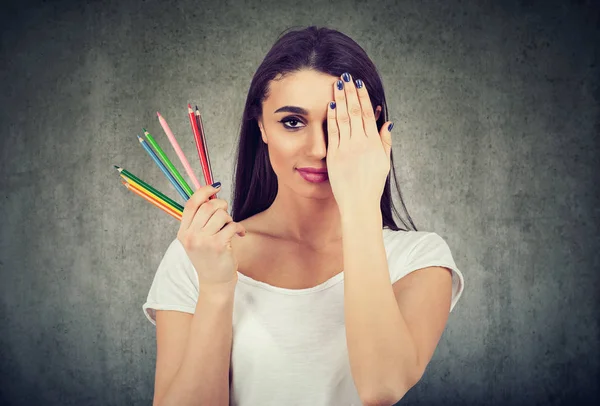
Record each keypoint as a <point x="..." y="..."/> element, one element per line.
<point x="203" y="377"/>
<point x="380" y="348"/>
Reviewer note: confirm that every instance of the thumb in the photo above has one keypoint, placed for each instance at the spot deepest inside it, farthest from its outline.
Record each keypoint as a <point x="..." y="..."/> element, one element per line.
<point x="386" y="137"/>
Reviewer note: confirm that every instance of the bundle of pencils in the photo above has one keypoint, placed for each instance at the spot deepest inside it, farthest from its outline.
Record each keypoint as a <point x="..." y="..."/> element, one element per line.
<point x="152" y="195"/>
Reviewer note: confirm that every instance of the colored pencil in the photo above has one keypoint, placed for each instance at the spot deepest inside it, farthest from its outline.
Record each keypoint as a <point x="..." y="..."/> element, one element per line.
<point x="168" y="163"/>
<point x="151" y="196"/>
<point x="199" y="143"/>
<point x="163" y="168"/>
<point x="177" y="208"/>
<point x="154" y="202"/>
<point x="178" y="150"/>
<point x="130" y="175"/>
<point x="205" y="148"/>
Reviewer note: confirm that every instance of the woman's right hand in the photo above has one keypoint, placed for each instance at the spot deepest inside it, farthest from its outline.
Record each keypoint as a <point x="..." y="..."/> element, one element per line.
<point x="206" y="231"/>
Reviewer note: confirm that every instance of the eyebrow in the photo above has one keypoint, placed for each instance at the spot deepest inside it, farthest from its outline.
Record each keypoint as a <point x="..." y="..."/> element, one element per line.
<point x="292" y="109"/>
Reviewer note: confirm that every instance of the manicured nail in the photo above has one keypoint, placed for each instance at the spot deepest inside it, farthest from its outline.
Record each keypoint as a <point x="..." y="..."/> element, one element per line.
<point x="390" y="126"/>
<point x="216" y="185"/>
<point x="346" y="77"/>
<point x="340" y="85"/>
<point x="359" y="83"/>
<point x="332" y="105"/>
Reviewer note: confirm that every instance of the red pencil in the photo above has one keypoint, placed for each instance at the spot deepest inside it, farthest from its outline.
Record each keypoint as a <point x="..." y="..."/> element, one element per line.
<point x="200" y="147"/>
<point x="211" y="180"/>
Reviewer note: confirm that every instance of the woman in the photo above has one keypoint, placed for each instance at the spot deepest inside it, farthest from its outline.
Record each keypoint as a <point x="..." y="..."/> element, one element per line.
<point x="253" y="308"/>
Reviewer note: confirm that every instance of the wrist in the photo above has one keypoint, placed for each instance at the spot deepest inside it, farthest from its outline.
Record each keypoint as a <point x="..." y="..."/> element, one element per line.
<point x="219" y="292"/>
<point x="361" y="213"/>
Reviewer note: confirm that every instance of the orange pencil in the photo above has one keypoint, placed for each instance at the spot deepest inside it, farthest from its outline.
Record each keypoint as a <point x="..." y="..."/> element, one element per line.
<point x="160" y="202"/>
<point x="150" y="199"/>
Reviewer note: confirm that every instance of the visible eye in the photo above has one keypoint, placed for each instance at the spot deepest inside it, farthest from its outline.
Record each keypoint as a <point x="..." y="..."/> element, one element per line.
<point x="292" y="121"/>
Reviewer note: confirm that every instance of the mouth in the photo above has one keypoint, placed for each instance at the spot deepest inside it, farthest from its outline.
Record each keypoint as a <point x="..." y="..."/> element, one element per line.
<point x="313" y="170"/>
<point x="314" y="177"/>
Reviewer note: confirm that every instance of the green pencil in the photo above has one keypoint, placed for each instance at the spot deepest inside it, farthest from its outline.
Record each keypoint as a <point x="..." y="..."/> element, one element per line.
<point x="130" y="175"/>
<point x="168" y="163"/>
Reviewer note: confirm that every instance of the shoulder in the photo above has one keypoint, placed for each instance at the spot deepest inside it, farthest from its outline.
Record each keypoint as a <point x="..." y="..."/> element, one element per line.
<point x="407" y="250"/>
<point x="252" y="243"/>
<point x="401" y="240"/>
<point x="412" y="245"/>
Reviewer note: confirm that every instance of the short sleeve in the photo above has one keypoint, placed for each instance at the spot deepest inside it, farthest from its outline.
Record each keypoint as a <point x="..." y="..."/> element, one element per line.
<point x="427" y="249"/>
<point x="175" y="284"/>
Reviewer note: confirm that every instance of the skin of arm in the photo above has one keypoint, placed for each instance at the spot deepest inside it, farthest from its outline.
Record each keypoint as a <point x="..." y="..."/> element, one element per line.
<point x="383" y="320"/>
<point x="202" y="377"/>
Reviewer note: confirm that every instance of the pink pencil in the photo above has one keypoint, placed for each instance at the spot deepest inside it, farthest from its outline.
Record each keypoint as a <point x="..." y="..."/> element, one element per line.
<point x="179" y="152"/>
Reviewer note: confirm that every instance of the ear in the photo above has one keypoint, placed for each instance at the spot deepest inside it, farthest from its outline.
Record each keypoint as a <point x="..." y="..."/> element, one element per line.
<point x="377" y="112"/>
<point x="262" y="131"/>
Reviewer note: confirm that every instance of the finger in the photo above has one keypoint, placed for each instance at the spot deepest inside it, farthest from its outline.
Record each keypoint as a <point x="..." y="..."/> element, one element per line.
<point x="386" y="138"/>
<point x="333" y="133"/>
<point x="368" y="116"/>
<point x="216" y="222"/>
<point x="191" y="206"/>
<point x="343" y="120"/>
<point x="354" y="109"/>
<point x="226" y="234"/>
<point x="205" y="212"/>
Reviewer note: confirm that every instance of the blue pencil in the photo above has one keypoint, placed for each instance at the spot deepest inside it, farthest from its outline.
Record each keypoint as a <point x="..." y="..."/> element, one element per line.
<point x="163" y="168"/>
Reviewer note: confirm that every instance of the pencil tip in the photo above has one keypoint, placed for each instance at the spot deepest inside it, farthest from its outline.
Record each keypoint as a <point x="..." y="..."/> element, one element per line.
<point x="189" y="106"/>
<point x="145" y="131"/>
<point x="116" y="166"/>
<point x="158" y="114"/>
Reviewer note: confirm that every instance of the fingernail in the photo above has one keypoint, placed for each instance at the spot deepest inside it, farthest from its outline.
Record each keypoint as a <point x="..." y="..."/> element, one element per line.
<point x="216" y="185"/>
<point x="390" y="126"/>
<point x="346" y="77"/>
<point x="332" y="105"/>
<point x="340" y="85"/>
<point x="359" y="83"/>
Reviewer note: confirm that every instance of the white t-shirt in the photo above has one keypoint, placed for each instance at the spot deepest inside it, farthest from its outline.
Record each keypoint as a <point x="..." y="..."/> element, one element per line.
<point x="289" y="345"/>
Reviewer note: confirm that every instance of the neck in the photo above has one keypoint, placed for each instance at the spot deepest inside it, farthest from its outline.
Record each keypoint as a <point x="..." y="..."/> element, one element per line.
<point x="307" y="221"/>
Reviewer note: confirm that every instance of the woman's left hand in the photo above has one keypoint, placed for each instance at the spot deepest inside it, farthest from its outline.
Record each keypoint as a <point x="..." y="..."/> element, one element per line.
<point x="358" y="157"/>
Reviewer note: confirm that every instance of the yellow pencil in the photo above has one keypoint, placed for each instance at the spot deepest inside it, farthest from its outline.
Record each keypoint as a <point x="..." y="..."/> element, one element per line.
<point x="144" y="194"/>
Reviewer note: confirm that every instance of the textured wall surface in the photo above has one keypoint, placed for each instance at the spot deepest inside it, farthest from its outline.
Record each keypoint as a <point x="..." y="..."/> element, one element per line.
<point x="496" y="148"/>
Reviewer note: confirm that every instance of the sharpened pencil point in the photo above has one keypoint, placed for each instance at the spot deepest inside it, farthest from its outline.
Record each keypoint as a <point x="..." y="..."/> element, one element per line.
<point x="116" y="166"/>
<point x="158" y="114"/>
<point x="189" y="106"/>
<point x="139" y="138"/>
<point x="145" y="131"/>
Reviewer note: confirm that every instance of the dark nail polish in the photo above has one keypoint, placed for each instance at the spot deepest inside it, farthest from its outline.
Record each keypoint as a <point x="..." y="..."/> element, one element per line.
<point x="332" y="105"/>
<point x="346" y="77"/>
<point x="340" y="85"/>
<point x="216" y="184"/>
<point x="359" y="83"/>
<point x="390" y="126"/>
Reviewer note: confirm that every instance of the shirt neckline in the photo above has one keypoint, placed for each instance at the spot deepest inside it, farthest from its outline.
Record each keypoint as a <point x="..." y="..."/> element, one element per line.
<point x="334" y="280"/>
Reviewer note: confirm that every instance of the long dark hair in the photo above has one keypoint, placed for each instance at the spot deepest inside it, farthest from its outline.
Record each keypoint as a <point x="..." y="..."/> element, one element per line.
<point x="321" y="49"/>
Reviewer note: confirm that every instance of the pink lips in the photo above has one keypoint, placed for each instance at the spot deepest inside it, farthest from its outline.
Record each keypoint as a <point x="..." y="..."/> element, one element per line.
<point x="314" y="175"/>
<point x="313" y="170"/>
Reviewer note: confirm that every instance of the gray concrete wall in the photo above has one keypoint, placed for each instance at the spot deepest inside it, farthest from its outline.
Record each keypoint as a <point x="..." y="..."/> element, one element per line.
<point x="496" y="147"/>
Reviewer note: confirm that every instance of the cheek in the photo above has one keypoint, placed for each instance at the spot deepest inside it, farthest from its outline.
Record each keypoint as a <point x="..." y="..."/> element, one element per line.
<point x="282" y="154"/>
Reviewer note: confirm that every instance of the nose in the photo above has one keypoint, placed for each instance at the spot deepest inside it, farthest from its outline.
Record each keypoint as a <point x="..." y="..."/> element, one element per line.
<point x="317" y="142"/>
